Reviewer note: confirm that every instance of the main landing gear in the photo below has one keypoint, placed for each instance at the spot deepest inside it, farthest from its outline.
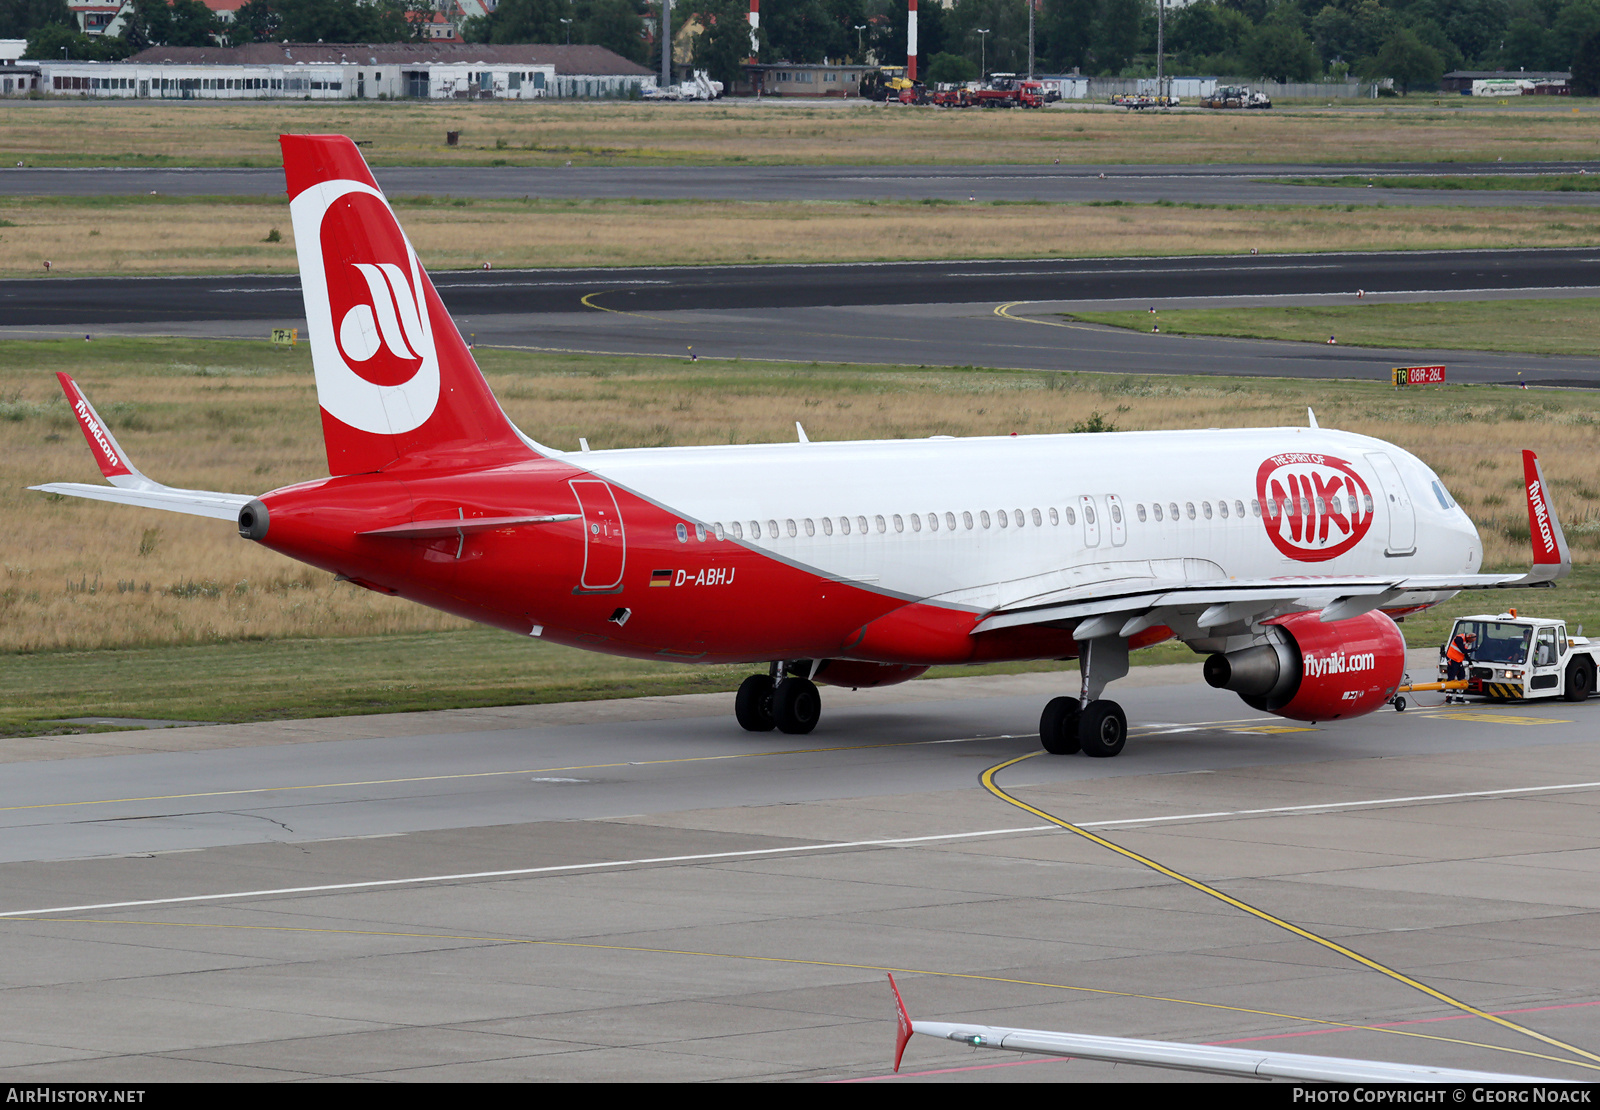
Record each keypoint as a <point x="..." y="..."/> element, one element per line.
<point x="786" y="700"/>
<point x="1087" y="723"/>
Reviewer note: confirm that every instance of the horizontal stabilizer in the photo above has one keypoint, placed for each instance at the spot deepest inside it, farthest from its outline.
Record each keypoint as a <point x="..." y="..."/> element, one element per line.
<point x="195" y="502"/>
<point x="421" y="529"/>
<point x="129" y="486"/>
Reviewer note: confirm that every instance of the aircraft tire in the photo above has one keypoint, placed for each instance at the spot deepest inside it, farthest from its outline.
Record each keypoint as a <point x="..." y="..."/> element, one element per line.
<point x="796" y="706"/>
<point x="1580" y="680"/>
<point x="752" y="705"/>
<point x="1058" y="726"/>
<point x="1102" y="729"/>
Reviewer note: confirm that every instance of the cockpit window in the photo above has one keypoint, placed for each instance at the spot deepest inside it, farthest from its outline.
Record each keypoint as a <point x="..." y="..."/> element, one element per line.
<point x="1445" y="500"/>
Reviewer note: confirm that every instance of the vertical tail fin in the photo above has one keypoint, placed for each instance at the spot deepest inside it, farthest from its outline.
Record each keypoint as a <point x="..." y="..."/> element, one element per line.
<point x="394" y="378"/>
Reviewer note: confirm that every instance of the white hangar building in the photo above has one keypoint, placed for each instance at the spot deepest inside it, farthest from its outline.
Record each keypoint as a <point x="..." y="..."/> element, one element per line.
<point x="353" y="71"/>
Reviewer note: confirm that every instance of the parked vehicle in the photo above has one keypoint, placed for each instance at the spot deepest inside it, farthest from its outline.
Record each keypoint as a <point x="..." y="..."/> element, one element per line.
<point x="1236" y="96"/>
<point x="1508" y="657"/>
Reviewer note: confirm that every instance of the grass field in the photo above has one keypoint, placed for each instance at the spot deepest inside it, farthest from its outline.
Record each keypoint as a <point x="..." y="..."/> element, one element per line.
<point x="1543" y="327"/>
<point x="107" y="610"/>
<point x="66" y="132"/>
<point x="162" y="235"/>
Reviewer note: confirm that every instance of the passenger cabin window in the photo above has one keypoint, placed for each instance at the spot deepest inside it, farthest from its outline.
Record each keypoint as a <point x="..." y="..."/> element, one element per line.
<point x="1156" y="508"/>
<point x="683" y="533"/>
<point x="983" y="517"/>
<point x="789" y="525"/>
<point x="950" y="521"/>
<point x="861" y="523"/>
<point x="1072" y="517"/>
<point x="933" y="522"/>
<point x="916" y="523"/>
<point x="883" y="525"/>
<point x="1205" y="507"/>
<point x="966" y="518"/>
<point x="811" y="529"/>
<point x="827" y="526"/>
<point x="738" y="531"/>
<point x="1222" y="508"/>
<point x="1038" y="520"/>
<point x="1003" y="518"/>
<point x="899" y="523"/>
<point x="1238" y="509"/>
<point x="844" y="526"/>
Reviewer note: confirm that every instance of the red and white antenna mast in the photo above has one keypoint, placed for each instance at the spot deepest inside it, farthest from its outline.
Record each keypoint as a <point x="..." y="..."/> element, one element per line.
<point x="755" y="25"/>
<point x="911" y="42"/>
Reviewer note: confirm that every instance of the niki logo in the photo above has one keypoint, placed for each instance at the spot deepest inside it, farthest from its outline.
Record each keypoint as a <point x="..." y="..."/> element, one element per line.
<point x="81" y="407"/>
<point x="367" y="310"/>
<point x="1314" y="507"/>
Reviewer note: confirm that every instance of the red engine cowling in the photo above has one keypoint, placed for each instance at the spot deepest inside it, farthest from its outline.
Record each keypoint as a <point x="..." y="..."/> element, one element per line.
<point x="1311" y="671"/>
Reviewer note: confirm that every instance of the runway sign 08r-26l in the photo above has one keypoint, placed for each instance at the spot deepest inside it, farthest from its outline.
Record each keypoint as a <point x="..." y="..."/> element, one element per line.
<point x="1418" y="375"/>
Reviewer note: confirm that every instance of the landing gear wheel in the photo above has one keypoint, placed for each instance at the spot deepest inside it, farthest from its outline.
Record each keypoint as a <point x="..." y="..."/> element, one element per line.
<point x="1102" y="729"/>
<point x="1400" y="703"/>
<point x="1058" y="726"/>
<point x="796" y="706"/>
<point x="1580" y="680"/>
<point x="752" y="705"/>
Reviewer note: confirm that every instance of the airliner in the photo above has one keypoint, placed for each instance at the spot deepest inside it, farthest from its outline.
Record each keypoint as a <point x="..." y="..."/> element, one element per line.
<point x="1281" y="554"/>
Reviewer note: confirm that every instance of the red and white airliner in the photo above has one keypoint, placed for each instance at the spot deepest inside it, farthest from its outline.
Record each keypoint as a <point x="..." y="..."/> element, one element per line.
<point x="1279" y="552"/>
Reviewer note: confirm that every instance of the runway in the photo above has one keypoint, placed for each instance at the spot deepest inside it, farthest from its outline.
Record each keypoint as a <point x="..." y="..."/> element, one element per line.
<point x="640" y="890"/>
<point x="1065" y="184"/>
<point x="996" y="314"/>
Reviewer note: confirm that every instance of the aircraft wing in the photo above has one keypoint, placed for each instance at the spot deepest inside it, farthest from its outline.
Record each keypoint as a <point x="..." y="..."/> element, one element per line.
<point x="1131" y="605"/>
<point x="1215" y="1059"/>
<point x="128" y="485"/>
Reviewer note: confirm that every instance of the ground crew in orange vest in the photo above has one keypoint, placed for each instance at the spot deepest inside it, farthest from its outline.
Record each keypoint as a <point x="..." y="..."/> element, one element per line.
<point x="1457" y="654"/>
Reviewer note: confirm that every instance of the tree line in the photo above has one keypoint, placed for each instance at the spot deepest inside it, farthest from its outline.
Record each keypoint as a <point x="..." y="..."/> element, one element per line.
<point x="1412" y="41"/>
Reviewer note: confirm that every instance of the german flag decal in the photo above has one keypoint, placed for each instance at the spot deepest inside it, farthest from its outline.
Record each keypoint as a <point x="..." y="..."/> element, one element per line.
<point x="661" y="578"/>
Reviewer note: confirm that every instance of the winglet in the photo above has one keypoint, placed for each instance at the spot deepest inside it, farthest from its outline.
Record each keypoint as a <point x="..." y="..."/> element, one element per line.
<point x="1549" y="542"/>
<point x="902" y="1024"/>
<point x="108" y="453"/>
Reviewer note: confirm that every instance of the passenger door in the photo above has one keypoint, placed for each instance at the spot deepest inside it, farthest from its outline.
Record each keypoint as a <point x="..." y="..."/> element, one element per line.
<point x="605" y="544"/>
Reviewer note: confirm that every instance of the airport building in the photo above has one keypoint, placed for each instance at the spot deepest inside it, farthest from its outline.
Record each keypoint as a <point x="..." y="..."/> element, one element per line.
<point x="352" y="71"/>
<point x="799" y="79"/>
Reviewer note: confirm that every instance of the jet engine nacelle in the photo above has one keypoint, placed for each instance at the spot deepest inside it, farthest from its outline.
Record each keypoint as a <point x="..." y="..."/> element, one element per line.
<point x="1311" y="671"/>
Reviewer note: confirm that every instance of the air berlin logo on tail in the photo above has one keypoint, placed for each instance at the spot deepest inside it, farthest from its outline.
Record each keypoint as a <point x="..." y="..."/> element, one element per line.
<point x="387" y="321"/>
<point x="366" y="310"/>
<point x="1314" y="507"/>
